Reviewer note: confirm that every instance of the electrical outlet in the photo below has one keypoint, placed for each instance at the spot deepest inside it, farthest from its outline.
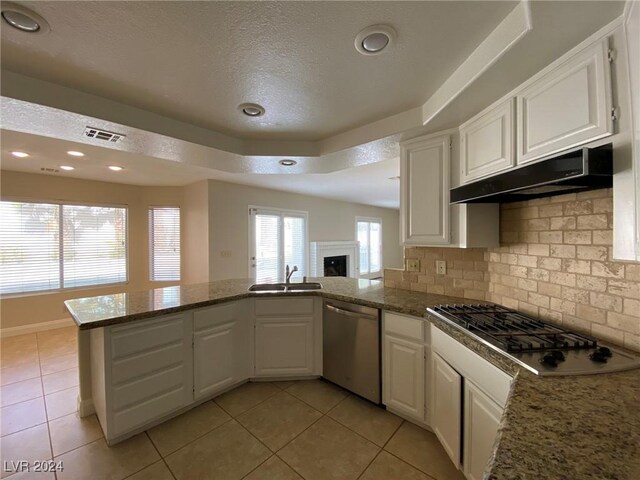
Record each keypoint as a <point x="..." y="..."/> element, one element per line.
<point x="413" y="265"/>
<point x="441" y="267"/>
<point x="225" y="253"/>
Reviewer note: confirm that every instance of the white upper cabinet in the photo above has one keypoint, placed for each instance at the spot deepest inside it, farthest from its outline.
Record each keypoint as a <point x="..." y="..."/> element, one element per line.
<point x="567" y="107"/>
<point x="487" y="142"/>
<point x="424" y="191"/>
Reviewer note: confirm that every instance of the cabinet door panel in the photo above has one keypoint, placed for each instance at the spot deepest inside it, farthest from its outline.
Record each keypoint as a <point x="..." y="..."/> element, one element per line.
<point x="284" y="346"/>
<point x="404" y="377"/>
<point x="482" y="418"/>
<point x="445" y="419"/>
<point x="569" y="106"/>
<point x="424" y="199"/>
<point x="487" y="142"/>
<point x="214" y="359"/>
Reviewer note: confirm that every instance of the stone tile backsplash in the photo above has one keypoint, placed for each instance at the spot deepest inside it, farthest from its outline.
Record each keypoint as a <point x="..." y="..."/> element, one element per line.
<point x="554" y="262"/>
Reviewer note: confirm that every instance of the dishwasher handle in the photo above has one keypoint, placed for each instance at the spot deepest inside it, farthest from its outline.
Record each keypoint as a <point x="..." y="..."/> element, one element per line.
<point x="349" y="313"/>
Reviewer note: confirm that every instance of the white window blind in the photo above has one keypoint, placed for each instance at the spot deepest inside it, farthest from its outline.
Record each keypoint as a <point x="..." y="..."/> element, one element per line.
<point x="369" y="234"/>
<point x="164" y="243"/>
<point x="29" y="247"/>
<point x="279" y="239"/>
<point x="95" y="246"/>
<point x="50" y="246"/>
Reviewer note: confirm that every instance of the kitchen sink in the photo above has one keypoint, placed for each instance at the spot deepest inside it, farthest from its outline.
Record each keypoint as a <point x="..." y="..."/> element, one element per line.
<point x="299" y="287"/>
<point x="268" y="287"/>
<point x="283" y="287"/>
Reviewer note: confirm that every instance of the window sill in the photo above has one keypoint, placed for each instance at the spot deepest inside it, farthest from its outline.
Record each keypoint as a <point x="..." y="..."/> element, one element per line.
<point x="7" y="296"/>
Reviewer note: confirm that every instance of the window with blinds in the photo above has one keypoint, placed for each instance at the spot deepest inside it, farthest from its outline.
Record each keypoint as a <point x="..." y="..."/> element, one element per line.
<point x="46" y="246"/>
<point x="164" y="243"/>
<point x="279" y="239"/>
<point x="369" y="234"/>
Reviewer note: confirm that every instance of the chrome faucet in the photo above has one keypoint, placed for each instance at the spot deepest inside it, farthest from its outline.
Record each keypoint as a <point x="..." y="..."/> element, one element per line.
<point x="288" y="273"/>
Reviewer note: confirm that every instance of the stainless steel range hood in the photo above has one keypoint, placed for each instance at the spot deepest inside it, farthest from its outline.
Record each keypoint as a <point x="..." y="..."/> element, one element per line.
<point x="580" y="170"/>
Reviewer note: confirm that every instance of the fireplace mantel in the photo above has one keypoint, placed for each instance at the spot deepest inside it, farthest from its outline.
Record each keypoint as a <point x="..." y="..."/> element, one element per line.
<point x="319" y="250"/>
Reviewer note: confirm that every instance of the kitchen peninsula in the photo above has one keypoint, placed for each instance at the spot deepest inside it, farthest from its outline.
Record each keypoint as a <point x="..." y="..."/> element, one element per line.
<point x="551" y="427"/>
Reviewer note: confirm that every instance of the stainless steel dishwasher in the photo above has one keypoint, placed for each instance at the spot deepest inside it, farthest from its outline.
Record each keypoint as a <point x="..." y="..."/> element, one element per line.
<point x="351" y="348"/>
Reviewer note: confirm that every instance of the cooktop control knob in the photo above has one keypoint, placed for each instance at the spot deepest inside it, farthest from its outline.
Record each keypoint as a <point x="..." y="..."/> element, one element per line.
<point x="604" y="351"/>
<point x="550" y="360"/>
<point x="558" y="355"/>
<point x="600" y="356"/>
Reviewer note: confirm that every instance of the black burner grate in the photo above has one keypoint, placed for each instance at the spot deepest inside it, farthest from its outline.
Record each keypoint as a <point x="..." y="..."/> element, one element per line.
<point x="511" y="330"/>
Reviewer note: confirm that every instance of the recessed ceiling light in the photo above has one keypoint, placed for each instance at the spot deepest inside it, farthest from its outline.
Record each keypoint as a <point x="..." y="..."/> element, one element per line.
<point x="374" y="39"/>
<point x="67" y="167"/>
<point x="23" y="19"/>
<point x="115" y="168"/>
<point x="287" y="162"/>
<point x="19" y="154"/>
<point x="252" y="109"/>
<point x="75" y="153"/>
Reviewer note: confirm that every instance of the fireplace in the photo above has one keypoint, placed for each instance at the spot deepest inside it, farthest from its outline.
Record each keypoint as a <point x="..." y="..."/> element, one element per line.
<point x="335" y="266"/>
<point x="334" y="259"/>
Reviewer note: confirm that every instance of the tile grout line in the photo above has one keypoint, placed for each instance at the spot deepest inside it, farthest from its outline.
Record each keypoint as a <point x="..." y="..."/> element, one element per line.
<point x="46" y="413"/>
<point x="162" y="458"/>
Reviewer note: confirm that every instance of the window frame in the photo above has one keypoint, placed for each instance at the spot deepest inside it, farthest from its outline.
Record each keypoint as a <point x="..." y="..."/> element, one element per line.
<point x="378" y="273"/>
<point x="150" y="251"/>
<point x="254" y="209"/>
<point x="60" y="204"/>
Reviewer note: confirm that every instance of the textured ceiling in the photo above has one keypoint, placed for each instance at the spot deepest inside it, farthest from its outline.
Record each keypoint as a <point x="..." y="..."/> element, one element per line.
<point x="197" y="61"/>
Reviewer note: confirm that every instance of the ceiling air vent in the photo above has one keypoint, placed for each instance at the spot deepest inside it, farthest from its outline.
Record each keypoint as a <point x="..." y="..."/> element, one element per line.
<point x="49" y="170"/>
<point x="110" y="137"/>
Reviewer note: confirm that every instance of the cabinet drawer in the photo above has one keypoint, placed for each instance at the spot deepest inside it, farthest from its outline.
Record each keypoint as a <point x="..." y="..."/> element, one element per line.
<point x="148" y="387"/>
<point x="129" y="340"/>
<point x="404" y="326"/>
<point x="284" y="306"/>
<point x="151" y="409"/>
<point x="489" y="378"/>
<point x="146" y="362"/>
<point x="213" y="316"/>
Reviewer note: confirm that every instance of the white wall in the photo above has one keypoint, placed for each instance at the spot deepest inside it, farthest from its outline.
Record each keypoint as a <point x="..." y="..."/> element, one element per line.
<point x="328" y="220"/>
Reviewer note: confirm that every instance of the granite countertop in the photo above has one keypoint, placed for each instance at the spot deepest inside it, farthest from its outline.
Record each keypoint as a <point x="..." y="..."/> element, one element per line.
<point x="553" y="428"/>
<point x="117" y="308"/>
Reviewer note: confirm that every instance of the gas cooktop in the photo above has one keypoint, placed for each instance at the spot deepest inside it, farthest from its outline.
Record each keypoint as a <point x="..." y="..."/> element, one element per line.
<point x="541" y="347"/>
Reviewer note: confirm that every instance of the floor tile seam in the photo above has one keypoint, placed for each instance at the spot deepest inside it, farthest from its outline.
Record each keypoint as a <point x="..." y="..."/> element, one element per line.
<point x="24" y="379"/>
<point x="80" y="446"/>
<point x="300" y="400"/>
<point x="46" y="414"/>
<point x="162" y="459"/>
<point x="260" y="441"/>
<point x="411" y="464"/>
<point x="237" y="415"/>
<point x="258" y="466"/>
<point x="59" y="371"/>
<point x="359" y="434"/>
<point x="21" y="401"/>
<point x="322" y="415"/>
<point x="190" y="441"/>
<point x="369" y="464"/>
<point x="290" y="466"/>
<point x="402" y="421"/>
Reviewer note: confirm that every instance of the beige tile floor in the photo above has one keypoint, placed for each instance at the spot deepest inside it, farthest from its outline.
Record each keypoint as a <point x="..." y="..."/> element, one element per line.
<point x="308" y="430"/>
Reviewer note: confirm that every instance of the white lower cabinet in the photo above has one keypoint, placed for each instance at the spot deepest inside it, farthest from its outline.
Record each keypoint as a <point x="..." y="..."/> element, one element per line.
<point x="468" y="395"/>
<point x="221" y="348"/>
<point x="446" y="416"/>
<point x="287" y="332"/>
<point x="405" y="350"/>
<point x="141" y="372"/>
<point x="482" y="418"/>
<point x="404" y="377"/>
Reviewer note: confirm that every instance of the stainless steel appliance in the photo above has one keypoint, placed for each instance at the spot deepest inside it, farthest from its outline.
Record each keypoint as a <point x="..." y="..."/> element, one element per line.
<point x="541" y="347"/>
<point x="577" y="171"/>
<point x="351" y="348"/>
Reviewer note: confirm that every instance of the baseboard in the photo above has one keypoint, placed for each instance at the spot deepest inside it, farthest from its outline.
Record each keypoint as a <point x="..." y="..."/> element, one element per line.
<point x="36" y="327"/>
<point x="85" y="407"/>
